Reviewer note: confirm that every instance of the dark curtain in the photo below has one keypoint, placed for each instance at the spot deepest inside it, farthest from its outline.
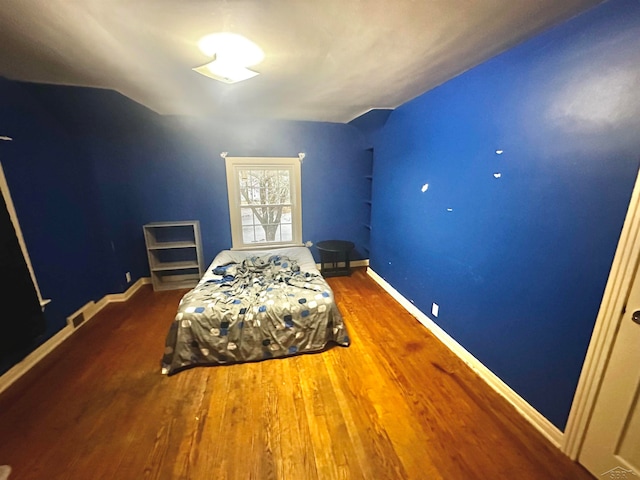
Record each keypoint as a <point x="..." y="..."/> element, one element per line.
<point x="21" y="317"/>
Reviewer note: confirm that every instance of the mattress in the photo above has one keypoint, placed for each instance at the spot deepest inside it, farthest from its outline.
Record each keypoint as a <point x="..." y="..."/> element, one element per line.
<point x="254" y="305"/>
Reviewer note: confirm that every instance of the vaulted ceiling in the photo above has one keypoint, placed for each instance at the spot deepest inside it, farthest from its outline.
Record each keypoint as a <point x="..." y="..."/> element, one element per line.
<point x="326" y="60"/>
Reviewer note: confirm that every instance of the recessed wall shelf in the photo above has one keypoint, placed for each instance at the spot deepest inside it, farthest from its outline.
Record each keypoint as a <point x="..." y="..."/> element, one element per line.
<point x="367" y="201"/>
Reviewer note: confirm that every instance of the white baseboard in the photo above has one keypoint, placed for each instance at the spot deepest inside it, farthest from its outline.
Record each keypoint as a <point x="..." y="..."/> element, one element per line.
<point x="27" y="363"/>
<point x="122" y="297"/>
<point x="89" y="310"/>
<point x="535" y="418"/>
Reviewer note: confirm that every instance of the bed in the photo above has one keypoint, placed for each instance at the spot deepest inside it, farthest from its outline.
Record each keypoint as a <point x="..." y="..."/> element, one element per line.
<point x="254" y="305"/>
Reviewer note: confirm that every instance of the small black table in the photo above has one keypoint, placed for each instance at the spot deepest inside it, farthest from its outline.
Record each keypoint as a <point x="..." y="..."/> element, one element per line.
<point x="332" y="253"/>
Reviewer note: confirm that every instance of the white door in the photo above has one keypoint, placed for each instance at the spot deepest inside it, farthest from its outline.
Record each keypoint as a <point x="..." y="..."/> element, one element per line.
<point x="612" y="443"/>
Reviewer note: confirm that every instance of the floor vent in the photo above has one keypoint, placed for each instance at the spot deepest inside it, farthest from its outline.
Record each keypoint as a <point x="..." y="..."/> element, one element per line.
<point x="80" y="316"/>
<point x="76" y="320"/>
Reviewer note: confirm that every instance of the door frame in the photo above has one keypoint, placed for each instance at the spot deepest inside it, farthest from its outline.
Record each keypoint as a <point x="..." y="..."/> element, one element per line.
<point x="4" y="190"/>
<point x="616" y="293"/>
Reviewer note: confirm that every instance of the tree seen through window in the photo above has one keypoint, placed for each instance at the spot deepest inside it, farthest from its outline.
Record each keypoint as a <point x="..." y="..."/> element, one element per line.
<point x="265" y="201"/>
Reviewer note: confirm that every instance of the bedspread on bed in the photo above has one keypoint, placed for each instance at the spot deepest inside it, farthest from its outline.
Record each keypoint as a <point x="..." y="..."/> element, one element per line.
<point x="262" y="307"/>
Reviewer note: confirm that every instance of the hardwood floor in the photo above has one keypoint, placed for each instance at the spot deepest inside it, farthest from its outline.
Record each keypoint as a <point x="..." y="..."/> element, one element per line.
<point x="396" y="404"/>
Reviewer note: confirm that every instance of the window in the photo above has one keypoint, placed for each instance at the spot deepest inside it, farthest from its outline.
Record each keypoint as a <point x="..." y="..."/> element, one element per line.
<point x="264" y="201"/>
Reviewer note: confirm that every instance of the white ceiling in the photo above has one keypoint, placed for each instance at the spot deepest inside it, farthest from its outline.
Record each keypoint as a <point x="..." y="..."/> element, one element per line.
<point x="326" y="60"/>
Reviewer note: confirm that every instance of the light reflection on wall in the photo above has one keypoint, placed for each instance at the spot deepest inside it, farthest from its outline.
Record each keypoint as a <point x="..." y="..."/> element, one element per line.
<point x="597" y="100"/>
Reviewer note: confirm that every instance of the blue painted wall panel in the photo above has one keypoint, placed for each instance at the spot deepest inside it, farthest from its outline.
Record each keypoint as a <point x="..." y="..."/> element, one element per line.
<point x="52" y="190"/>
<point x="370" y="123"/>
<point x="518" y="264"/>
<point x="173" y="170"/>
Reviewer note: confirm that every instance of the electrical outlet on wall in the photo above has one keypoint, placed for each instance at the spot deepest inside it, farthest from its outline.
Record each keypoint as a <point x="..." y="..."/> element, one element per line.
<point x="128" y="277"/>
<point x="435" y="309"/>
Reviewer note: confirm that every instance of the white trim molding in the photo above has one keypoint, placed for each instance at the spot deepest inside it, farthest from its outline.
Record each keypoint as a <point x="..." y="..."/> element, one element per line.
<point x="18" y="370"/>
<point x="238" y="167"/>
<point x="6" y="193"/>
<point x="535" y="418"/>
<point x="89" y="310"/>
<point x="613" y="303"/>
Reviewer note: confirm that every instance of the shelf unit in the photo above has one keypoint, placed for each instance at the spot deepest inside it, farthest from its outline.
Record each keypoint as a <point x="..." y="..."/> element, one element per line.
<point x="174" y="250"/>
<point x="367" y="201"/>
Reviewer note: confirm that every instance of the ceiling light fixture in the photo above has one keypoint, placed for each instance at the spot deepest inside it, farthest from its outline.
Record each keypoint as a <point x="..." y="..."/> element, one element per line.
<point x="232" y="54"/>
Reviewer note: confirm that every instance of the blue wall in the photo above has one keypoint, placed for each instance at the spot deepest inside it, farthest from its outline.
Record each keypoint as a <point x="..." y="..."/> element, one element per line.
<point x="519" y="264"/>
<point x="371" y="122"/>
<point x="89" y="167"/>
<point x="52" y="190"/>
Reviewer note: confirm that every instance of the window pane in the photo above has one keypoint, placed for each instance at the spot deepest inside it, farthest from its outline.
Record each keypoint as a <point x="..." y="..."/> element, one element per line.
<point x="284" y="186"/>
<point x="248" y="225"/>
<point x="286" y="232"/>
<point x="248" y="217"/>
<point x="252" y="234"/>
<point x="265" y="198"/>
<point x="249" y="187"/>
<point x="264" y="186"/>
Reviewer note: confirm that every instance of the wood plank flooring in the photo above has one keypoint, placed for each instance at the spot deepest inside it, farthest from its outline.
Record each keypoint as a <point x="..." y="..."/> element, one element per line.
<point x="396" y="404"/>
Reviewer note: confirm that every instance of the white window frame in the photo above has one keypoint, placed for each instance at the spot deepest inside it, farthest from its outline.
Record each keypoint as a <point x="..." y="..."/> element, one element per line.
<point x="233" y="166"/>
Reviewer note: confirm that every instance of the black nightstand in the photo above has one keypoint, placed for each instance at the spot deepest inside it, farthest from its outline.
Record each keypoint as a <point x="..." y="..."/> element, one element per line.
<point x="332" y="253"/>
